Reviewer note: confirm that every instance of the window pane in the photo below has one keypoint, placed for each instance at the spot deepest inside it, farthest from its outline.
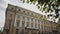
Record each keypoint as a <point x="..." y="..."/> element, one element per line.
<point x="16" y="31"/>
<point x="9" y="23"/>
<point x="31" y="19"/>
<point x="39" y="26"/>
<point x="18" y="16"/>
<point x="7" y="32"/>
<point x="10" y="16"/>
<point x="23" y="23"/>
<point x="23" y="17"/>
<point x="35" y="25"/>
<point x="27" y="24"/>
<point x="17" y="23"/>
<point x="31" y="24"/>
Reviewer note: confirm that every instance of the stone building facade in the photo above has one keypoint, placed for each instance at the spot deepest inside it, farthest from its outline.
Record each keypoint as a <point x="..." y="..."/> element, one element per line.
<point x="58" y="27"/>
<point x="22" y="21"/>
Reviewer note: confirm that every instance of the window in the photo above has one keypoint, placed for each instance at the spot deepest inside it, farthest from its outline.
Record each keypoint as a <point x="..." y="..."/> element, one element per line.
<point x="22" y="32"/>
<point x="16" y="31"/>
<point x="35" y="25"/>
<point x="7" y="32"/>
<point x="31" y="19"/>
<point x="24" y="11"/>
<point x="31" y="24"/>
<point x="9" y="23"/>
<point x="23" y="23"/>
<point x="28" y="18"/>
<point x="35" y="20"/>
<point x="11" y="16"/>
<point x="12" y="8"/>
<point x="19" y="10"/>
<point x="27" y="24"/>
<point x="39" y="26"/>
<point x="17" y="22"/>
<point x="28" y="12"/>
<point x="38" y="21"/>
<point x="32" y="14"/>
<point x="23" y="17"/>
<point x="18" y="16"/>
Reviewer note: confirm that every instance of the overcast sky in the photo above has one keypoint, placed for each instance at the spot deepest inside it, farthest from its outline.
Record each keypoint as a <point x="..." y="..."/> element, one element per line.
<point x="3" y="6"/>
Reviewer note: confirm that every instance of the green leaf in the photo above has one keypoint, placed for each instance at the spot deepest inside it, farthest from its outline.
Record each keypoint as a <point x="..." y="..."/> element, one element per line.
<point x="41" y="3"/>
<point x="34" y="2"/>
<point x="38" y="7"/>
<point x="48" y="17"/>
<point x="27" y="1"/>
<point x="23" y="1"/>
<point x="31" y="0"/>
<point x="57" y="15"/>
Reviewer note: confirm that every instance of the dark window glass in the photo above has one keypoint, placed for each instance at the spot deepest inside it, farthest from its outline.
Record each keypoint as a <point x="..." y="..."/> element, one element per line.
<point x="39" y="26"/>
<point x="17" y="23"/>
<point x="27" y="24"/>
<point x="19" y="10"/>
<point x="10" y="16"/>
<point x="18" y="16"/>
<point x="12" y="8"/>
<point x="23" y="17"/>
<point x="28" y="12"/>
<point x="32" y="24"/>
<point x="24" y="11"/>
<point x="9" y="24"/>
<point x="31" y="19"/>
<point x="28" y="18"/>
<point x="16" y="31"/>
<point x="22" y="32"/>
<point x="23" y="23"/>
<point x="7" y="32"/>
<point x="35" y="25"/>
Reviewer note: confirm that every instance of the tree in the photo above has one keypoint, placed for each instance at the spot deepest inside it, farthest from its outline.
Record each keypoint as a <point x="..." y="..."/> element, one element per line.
<point x="47" y="6"/>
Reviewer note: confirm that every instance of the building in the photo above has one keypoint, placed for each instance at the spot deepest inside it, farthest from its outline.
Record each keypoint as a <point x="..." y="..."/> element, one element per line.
<point x="58" y="27"/>
<point x="22" y="21"/>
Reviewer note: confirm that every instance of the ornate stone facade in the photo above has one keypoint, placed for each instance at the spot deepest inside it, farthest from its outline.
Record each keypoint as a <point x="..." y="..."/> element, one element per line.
<point x="22" y="21"/>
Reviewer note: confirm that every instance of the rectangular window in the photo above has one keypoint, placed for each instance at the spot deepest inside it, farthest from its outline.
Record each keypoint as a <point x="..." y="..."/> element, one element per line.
<point x="22" y="31"/>
<point x="23" y="17"/>
<point x="24" y="11"/>
<point x="28" y="12"/>
<point x="11" y="16"/>
<point x="31" y="19"/>
<point x="19" y="9"/>
<point x="38" y="21"/>
<point x="7" y="32"/>
<point x="18" y="16"/>
<point x="31" y="24"/>
<point x="18" y="22"/>
<point x="23" y="23"/>
<point x="27" y="18"/>
<point x="27" y="24"/>
<point x="35" y="20"/>
<point x="39" y="26"/>
<point x="16" y="31"/>
<point x="35" y="25"/>
<point x="9" y="23"/>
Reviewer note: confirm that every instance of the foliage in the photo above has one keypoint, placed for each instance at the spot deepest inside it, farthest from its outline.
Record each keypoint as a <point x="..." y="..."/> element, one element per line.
<point x="47" y="6"/>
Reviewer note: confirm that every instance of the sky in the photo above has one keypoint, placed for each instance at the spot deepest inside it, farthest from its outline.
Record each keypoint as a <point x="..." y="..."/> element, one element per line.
<point x="4" y="4"/>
